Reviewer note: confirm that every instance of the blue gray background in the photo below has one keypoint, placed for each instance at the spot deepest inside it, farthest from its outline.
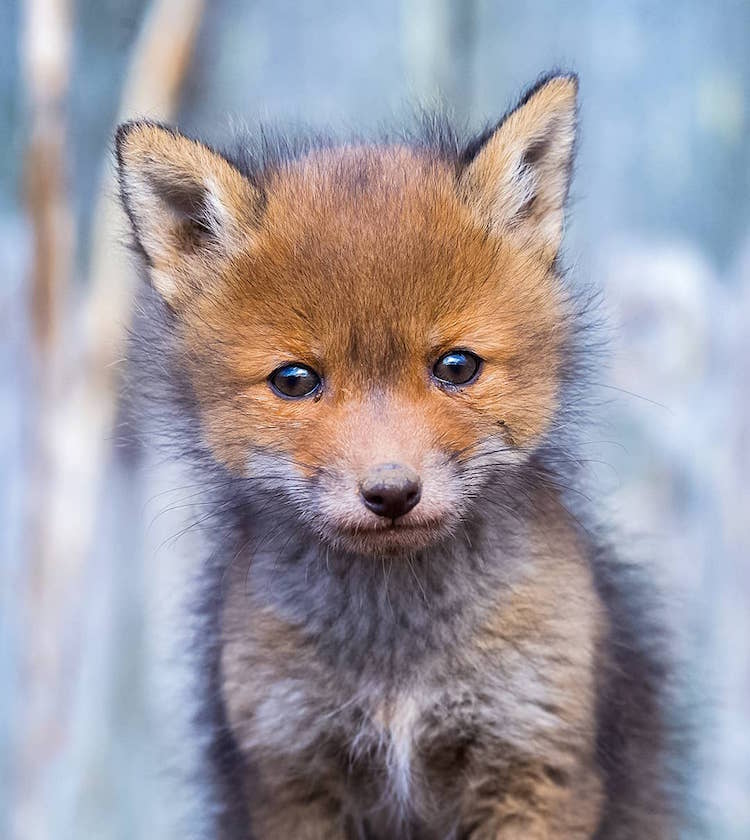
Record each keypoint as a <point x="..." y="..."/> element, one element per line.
<point x="660" y="219"/>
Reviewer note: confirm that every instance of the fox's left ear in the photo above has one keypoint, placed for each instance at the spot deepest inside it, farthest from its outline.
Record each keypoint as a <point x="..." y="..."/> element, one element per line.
<point x="517" y="176"/>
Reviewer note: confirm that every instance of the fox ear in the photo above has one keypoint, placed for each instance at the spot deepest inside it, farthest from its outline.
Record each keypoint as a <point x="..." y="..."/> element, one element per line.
<point x="517" y="176"/>
<point x="188" y="206"/>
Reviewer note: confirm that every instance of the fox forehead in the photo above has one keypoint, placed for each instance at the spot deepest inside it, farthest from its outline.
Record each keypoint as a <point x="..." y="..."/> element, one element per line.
<point x="368" y="258"/>
<point x="367" y="264"/>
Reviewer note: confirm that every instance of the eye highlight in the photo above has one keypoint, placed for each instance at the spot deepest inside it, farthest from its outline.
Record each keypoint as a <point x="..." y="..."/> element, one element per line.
<point x="294" y="381"/>
<point x="457" y="367"/>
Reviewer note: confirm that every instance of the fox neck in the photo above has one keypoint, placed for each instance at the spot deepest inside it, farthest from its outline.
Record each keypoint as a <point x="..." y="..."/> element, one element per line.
<point x="381" y="615"/>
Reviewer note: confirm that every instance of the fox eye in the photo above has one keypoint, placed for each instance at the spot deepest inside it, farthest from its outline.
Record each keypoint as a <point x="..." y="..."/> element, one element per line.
<point x="294" y="381"/>
<point x="457" y="367"/>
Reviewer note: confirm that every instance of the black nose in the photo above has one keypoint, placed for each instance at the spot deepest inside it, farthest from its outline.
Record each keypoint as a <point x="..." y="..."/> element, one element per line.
<point x="391" y="490"/>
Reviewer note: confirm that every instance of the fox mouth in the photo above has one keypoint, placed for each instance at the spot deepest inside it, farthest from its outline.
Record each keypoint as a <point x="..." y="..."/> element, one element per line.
<point x="390" y="537"/>
<point x="389" y="531"/>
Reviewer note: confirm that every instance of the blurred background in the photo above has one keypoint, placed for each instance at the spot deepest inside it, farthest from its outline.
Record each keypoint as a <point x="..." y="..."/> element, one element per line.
<point x="95" y="532"/>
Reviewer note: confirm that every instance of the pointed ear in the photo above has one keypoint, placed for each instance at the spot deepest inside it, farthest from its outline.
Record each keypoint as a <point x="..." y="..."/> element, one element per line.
<point x="517" y="176"/>
<point x="188" y="206"/>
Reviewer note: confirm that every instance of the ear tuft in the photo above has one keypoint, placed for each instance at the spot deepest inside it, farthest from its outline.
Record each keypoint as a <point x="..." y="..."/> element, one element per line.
<point x="517" y="175"/>
<point x="187" y="205"/>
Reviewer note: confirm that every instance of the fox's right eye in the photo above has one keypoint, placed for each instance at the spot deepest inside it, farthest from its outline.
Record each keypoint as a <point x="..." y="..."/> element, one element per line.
<point x="294" y="381"/>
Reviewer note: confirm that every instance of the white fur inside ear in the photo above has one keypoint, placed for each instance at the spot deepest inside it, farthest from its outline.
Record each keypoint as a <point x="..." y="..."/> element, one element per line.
<point x="165" y="284"/>
<point x="521" y="191"/>
<point x="212" y="213"/>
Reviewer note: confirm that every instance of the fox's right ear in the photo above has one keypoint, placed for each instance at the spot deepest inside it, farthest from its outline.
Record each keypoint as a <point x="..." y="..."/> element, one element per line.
<point x="188" y="206"/>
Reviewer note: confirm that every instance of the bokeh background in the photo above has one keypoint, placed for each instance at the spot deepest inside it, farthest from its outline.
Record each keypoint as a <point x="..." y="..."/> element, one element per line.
<point x="97" y="536"/>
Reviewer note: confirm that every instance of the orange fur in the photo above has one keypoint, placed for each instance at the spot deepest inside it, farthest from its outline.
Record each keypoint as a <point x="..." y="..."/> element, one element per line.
<point x="315" y="284"/>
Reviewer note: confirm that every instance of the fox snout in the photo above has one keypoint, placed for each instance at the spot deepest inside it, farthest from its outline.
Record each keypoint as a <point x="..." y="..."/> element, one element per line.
<point x="391" y="490"/>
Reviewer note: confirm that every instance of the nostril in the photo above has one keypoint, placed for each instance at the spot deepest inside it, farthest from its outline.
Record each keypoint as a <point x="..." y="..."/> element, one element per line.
<point x="391" y="490"/>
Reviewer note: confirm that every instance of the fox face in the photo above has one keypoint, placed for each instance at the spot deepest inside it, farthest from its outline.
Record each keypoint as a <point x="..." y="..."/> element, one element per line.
<point x="375" y="330"/>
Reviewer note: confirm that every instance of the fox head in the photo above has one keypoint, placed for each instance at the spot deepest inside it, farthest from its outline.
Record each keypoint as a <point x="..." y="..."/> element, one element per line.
<point x="377" y="330"/>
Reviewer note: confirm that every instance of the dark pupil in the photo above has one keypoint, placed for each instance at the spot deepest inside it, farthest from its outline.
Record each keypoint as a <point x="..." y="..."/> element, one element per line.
<point x="456" y="368"/>
<point x="295" y="381"/>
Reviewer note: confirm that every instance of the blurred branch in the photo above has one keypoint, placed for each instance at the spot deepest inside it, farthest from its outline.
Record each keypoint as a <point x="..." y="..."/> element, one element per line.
<point x="45" y="54"/>
<point x="152" y="89"/>
<point x="46" y="59"/>
<point x="77" y="393"/>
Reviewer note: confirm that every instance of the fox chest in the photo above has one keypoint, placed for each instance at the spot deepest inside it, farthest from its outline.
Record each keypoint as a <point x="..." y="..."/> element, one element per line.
<point x="398" y="755"/>
<point x="408" y="742"/>
<point x="404" y="752"/>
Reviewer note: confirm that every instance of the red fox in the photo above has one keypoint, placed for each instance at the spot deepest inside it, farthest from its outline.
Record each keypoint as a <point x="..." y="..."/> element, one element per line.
<point x="371" y="355"/>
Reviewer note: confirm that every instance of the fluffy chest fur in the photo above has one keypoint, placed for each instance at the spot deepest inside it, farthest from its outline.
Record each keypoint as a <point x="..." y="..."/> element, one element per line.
<point x="399" y="703"/>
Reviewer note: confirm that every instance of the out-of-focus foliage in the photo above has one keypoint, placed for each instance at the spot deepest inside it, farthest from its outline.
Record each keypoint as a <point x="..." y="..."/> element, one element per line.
<point x="660" y="218"/>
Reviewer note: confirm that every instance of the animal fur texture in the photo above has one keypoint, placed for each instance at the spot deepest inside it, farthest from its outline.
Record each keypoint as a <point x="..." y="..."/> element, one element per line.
<point x="479" y="665"/>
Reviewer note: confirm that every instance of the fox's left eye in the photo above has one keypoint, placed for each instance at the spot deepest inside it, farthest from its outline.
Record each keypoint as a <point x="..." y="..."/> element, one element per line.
<point x="457" y="367"/>
<point x="294" y="381"/>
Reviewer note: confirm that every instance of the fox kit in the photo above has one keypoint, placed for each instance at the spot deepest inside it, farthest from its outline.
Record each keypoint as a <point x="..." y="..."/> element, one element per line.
<point x="369" y="353"/>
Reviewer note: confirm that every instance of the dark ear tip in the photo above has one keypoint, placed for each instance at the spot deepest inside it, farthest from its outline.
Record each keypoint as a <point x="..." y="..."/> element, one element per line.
<point x="121" y="136"/>
<point x="569" y="76"/>
<point x="575" y="81"/>
<point x="542" y="82"/>
<point x="125" y="129"/>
